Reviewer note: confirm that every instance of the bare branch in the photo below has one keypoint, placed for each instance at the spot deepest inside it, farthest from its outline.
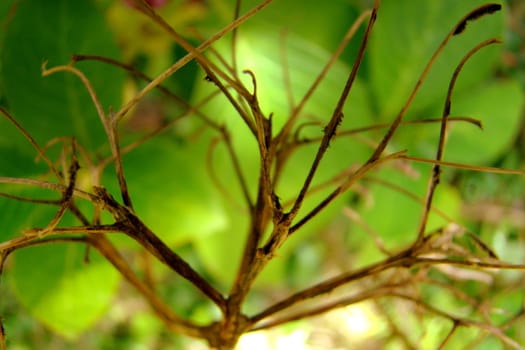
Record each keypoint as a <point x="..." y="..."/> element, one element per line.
<point x="465" y="166"/>
<point x="395" y="124"/>
<point x="192" y="53"/>
<point x="135" y="228"/>
<point x="436" y="169"/>
<point x="44" y="185"/>
<point x="290" y="122"/>
<point x="67" y="195"/>
<point x="376" y="292"/>
<point x="399" y="260"/>
<point x="32" y="141"/>
<point x="165" y="91"/>
<point x="109" y="126"/>
<point x="351" y="180"/>
<point x="455" y="327"/>
<point x="2" y="336"/>
<point x="337" y="117"/>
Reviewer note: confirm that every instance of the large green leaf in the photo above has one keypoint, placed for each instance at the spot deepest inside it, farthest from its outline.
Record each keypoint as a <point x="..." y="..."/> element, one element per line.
<point x="305" y="19"/>
<point x="497" y="105"/>
<point x="406" y="35"/>
<point x="16" y="216"/>
<point x="51" y="281"/>
<point x="61" y="290"/>
<point x="58" y="105"/>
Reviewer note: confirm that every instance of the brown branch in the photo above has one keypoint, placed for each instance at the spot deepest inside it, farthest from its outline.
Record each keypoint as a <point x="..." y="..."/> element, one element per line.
<point x="468" y="263"/>
<point x="406" y="258"/>
<point x="395" y="124"/>
<point x="67" y="196"/>
<point x="337" y="116"/>
<point x="189" y="109"/>
<point x="85" y="81"/>
<point x="266" y="204"/>
<point x="106" y="249"/>
<point x="481" y="11"/>
<point x="455" y="327"/>
<point x="2" y="336"/>
<point x="399" y="260"/>
<point x="117" y="157"/>
<point x="45" y="185"/>
<point x="68" y="192"/>
<point x="107" y="122"/>
<point x="88" y="229"/>
<point x="136" y="229"/>
<point x="282" y="230"/>
<point x="290" y="122"/>
<point x="375" y="236"/>
<point x="351" y="180"/>
<point x="196" y="53"/>
<point x="376" y="292"/>
<point x="32" y="141"/>
<point x="9" y="247"/>
<point x="465" y="166"/>
<point x="31" y="200"/>
<point x="164" y="90"/>
<point x="436" y="169"/>
<point x="494" y="330"/>
<point x="355" y="131"/>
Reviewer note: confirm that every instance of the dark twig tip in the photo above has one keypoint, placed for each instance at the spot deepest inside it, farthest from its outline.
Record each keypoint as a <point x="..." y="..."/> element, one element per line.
<point x="475" y="14"/>
<point x="480" y="124"/>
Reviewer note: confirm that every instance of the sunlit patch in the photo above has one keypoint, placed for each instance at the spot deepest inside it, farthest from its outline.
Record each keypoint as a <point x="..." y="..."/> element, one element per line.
<point x="358" y="320"/>
<point x="355" y="324"/>
<point x="254" y="341"/>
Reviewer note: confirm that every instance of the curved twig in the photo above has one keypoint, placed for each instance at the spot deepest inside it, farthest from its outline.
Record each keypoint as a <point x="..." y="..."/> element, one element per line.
<point x="110" y="126"/>
<point x="436" y="169"/>
<point x="454" y="31"/>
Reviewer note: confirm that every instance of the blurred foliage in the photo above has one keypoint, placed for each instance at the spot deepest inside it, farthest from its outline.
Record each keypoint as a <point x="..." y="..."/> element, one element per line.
<point x="169" y="176"/>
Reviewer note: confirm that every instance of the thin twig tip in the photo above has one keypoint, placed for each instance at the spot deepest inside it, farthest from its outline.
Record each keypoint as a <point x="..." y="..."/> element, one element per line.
<point x="481" y="11"/>
<point x="44" y="68"/>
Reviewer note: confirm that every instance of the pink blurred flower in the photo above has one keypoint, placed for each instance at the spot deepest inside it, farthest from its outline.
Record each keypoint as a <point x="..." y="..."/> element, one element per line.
<point x="153" y="3"/>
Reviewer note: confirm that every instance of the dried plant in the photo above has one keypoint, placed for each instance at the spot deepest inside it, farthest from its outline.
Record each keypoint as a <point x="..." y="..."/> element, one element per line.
<point x="452" y="251"/>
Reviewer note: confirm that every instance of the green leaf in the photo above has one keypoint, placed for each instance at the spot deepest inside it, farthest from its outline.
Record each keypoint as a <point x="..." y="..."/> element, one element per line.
<point x="497" y="104"/>
<point x="17" y="215"/>
<point x="305" y="19"/>
<point x="60" y="289"/>
<point x="58" y="105"/>
<point x="406" y="35"/>
<point x="221" y="252"/>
